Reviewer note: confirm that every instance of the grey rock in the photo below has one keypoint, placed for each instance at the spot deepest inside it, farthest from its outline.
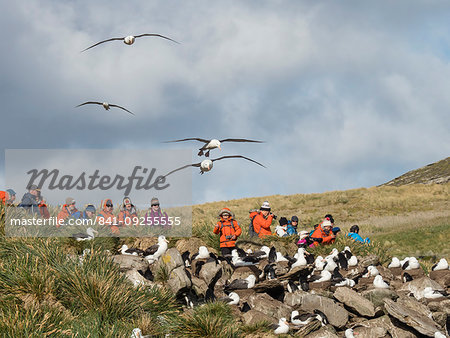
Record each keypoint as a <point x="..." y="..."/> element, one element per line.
<point x="386" y="323"/>
<point x="440" y="318"/>
<point x="128" y="262"/>
<point x="377" y="296"/>
<point x="199" y="286"/>
<point x="210" y="272"/>
<point x="370" y="332"/>
<point x="442" y="277"/>
<point x="355" y="302"/>
<point x="442" y="306"/>
<point x="171" y="260"/>
<point x="323" y="332"/>
<point x="411" y="317"/>
<point x="242" y="272"/>
<point x="179" y="280"/>
<point x="281" y="268"/>
<point x="136" y="278"/>
<point x="294" y="298"/>
<point x="368" y="260"/>
<point x="269" y="306"/>
<point x="254" y="316"/>
<point x="416" y="286"/>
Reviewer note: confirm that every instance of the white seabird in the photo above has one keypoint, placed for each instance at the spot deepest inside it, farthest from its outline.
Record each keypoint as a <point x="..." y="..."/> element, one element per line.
<point x="441" y="265"/>
<point x="330" y="264"/>
<point x="301" y="260"/>
<point x="411" y="264"/>
<point x="206" y="165"/>
<point x="319" y="263"/>
<point x="395" y="263"/>
<point x="325" y="276"/>
<point x="137" y="333"/>
<point x="379" y="283"/>
<point x="232" y="299"/>
<point x="281" y="258"/>
<point x="129" y="40"/>
<point x="212" y="144"/>
<point x="302" y="319"/>
<point x="155" y="251"/>
<point x="353" y="261"/>
<point x="238" y="284"/>
<point x="349" y="333"/>
<point x="105" y="105"/>
<point x="429" y="293"/>
<point x="90" y="234"/>
<point x="282" y="327"/>
<point x="372" y="271"/>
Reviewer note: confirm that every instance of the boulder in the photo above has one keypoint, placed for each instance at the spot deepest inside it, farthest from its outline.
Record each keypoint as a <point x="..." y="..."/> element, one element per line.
<point x="128" y="262"/>
<point x="411" y="317"/>
<point x="269" y="306"/>
<point x="136" y="278"/>
<point x="442" y="306"/>
<point x="336" y="314"/>
<point x="355" y="302"/>
<point x="415" y="273"/>
<point x="394" y="330"/>
<point x="416" y="286"/>
<point x="377" y="296"/>
<point x="281" y="268"/>
<point x="171" y="260"/>
<point x="294" y="298"/>
<point x="370" y="332"/>
<point x="210" y="272"/>
<point x="179" y="281"/>
<point x="396" y="272"/>
<point x="199" y="286"/>
<point x="190" y="244"/>
<point x="242" y="272"/>
<point x="323" y="332"/>
<point x="442" y="277"/>
<point x="254" y="316"/>
<point x="385" y="273"/>
<point x="368" y="260"/>
<point x="440" y="318"/>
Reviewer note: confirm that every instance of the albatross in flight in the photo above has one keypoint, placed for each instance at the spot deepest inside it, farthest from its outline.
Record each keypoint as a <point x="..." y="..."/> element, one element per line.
<point x="206" y="165"/>
<point x="128" y="40"/>
<point x="105" y="105"/>
<point x="212" y="144"/>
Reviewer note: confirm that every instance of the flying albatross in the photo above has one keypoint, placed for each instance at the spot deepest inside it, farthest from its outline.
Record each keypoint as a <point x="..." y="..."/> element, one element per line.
<point x="206" y="165"/>
<point x="212" y="144"/>
<point x="105" y="105"/>
<point x="129" y="40"/>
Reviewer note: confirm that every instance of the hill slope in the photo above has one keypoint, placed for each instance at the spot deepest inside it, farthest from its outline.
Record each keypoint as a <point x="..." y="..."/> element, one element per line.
<point x="438" y="172"/>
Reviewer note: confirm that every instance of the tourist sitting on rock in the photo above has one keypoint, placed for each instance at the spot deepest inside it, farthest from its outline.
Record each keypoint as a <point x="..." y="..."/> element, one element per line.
<point x="292" y="226"/>
<point x="354" y="234"/>
<point x="281" y="230"/>
<point x="229" y="230"/>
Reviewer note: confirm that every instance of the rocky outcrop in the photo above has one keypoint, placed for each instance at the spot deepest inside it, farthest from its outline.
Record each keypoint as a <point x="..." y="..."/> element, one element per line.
<point x="355" y="302"/>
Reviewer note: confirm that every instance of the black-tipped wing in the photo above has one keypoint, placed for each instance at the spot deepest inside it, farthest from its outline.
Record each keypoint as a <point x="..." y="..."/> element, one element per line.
<point x="89" y="102"/>
<point x="239" y="140"/>
<point x="238" y="156"/>
<point x="183" y="167"/>
<point x="190" y="139"/>
<point x="272" y="255"/>
<point x="158" y="35"/>
<point x="98" y="43"/>
<point x="151" y="250"/>
<point x="117" y="106"/>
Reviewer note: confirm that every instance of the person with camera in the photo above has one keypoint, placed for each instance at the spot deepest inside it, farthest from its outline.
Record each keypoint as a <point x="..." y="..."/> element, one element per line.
<point x="229" y="230"/>
<point x="262" y="220"/>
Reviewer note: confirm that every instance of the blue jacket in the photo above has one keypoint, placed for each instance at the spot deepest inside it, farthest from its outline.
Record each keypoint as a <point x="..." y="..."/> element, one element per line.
<point x="357" y="238"/>
<point x="30" y="203"/>
<point x="290" y="229"/>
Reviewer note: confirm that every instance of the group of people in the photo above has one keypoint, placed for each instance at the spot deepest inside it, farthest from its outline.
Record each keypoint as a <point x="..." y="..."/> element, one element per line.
<point x="33" y="202"/>
<point x="260" y="225"/>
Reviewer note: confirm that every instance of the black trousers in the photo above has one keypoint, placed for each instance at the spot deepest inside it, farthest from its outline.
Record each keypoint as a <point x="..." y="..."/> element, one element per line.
<point x="226" y="251"/>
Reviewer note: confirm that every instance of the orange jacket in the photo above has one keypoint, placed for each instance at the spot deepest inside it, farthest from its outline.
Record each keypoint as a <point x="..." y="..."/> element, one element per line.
<point x="227" y="229"/>
<point x="261" y="225"/>
<point x="64" y="213"/>
<point x="107" y="218"/>
<point x="3" y="197"/>
<point x="320" y="233"/>
<point x="127" y="218"/>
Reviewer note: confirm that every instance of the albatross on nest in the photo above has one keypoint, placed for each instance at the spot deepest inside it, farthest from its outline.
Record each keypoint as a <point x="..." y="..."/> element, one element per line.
<point x="282" y="327"/>
<point x="105" y="105"/>
<point x="441" y="265"/>
<point x="212" y="144"/>
<point x="128" y="40"/>
<point x="85" y="236"/>
<point x="155" y="251"/>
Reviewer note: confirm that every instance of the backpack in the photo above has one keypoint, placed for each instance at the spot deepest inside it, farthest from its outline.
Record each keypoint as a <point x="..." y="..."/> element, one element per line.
<point x="251" y="229"/>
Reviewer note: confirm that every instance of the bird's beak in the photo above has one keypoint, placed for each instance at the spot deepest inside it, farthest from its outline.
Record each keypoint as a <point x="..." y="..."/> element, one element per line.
<point x="95" y="232"/>
<point x="167" y="241"/>
<point x="219" y="148"/>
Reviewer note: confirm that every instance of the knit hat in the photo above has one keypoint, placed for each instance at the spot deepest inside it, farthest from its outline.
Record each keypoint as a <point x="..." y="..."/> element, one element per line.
<point x="127" y="200"/>
<point x="70" y="201"/>
<point x="283" y="221"/>
<point x="34" y="187"/>
<point x="226" y="211"/>
<point x="90" y="208"/>
<point x="11" y="192"/>
<point x="265" y="206"/>
<point x="154" y="201"/>
<point x="294" y="219"/>
<point x="327" y="223"/>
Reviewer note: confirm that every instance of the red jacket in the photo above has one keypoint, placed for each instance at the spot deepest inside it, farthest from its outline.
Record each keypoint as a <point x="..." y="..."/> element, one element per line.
<point x="227" y="229"/>
<point x="3" y="195"/>
<point x="261" y="225"/>
<point x="320" y="233"/>
<point x="128" y="218"/>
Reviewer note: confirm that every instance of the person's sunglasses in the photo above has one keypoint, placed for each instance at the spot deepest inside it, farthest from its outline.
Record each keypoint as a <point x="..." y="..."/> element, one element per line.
<point x="109" y="205"/>
<point x="154" y="205"/>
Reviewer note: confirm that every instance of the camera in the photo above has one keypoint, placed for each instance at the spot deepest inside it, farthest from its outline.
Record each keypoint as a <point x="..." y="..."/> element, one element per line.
<point x="274" y="216"/>
<point x="228" y="237"/>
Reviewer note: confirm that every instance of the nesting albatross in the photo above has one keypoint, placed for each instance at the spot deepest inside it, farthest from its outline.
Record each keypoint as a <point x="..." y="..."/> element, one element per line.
<point x="85" y="236"/>
<point x="128" y="40"/>
<point x="212" y="144"/>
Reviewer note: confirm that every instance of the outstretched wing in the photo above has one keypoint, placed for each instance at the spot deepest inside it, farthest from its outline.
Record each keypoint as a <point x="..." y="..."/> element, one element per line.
<point x="185" y="166"/>
<point x="158" y="35"/>
<point x="239" y="140"/>
<point x="189" y="139"/>
<point x="238" y="156"/>
<point x="89" y="102"/>
<point x="117" y="106"/>
<point x="98" y="43"/>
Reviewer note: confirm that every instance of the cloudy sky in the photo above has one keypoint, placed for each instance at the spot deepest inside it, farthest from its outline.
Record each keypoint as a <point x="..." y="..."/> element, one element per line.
<point x="345" y="94"/>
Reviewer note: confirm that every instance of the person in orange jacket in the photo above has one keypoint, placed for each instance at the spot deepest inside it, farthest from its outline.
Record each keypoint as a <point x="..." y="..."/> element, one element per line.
<point x="7" y="197"/>
<point x="68" y="211"/>
<point x="106" y="216"/>
<point x="323" y="234"/>
<point x="262" y="220"/>
<point x="229" y="231"/>
<point x="127" y="215"/>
